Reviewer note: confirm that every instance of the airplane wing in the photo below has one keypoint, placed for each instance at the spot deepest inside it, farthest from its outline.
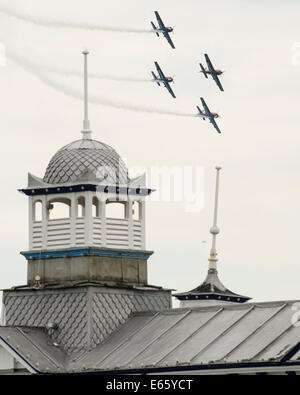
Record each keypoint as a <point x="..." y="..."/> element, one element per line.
<point x="216" y="78"/>
<point x="206" y="109"/>
<point x="159" y="20"/>
<point x="169" y="40"/>
<point x="167" y="85"/>
<point x="159" y="70"/>
<point x="215" y="125"/>
<point x="209" y="64"/>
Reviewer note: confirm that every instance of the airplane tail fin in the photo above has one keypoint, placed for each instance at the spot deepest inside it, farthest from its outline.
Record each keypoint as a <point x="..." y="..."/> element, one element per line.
<point x="200" y="112"/>
<point x="154" y="76"/>
<point x="154" y="27"/>
<point x="203" y="70"/>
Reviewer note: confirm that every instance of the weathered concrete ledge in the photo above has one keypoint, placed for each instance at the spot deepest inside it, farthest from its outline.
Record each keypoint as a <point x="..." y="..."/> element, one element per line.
<point x="90" y="264"/>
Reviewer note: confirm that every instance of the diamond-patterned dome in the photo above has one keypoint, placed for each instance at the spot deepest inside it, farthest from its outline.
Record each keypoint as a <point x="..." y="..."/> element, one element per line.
<point x="75" y="159"/>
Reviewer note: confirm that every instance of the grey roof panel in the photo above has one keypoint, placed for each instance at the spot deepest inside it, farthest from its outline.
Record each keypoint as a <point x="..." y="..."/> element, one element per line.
<point x="226" y="344"/>
<point x="282" y="345"/>
<point x="129" y="351"/>
<point x="296" y="357"/>
<point x="35" y="347"/>
<point x="168" y="343"/>
<point x="96" y="356"/>
<point x="264" y="335"/>
<point x="206" y="335"/>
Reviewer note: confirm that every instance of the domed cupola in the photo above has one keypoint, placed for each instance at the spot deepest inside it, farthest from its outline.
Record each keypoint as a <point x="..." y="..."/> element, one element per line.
<point x="75" y="159"/>
<point x="86" y="205"/>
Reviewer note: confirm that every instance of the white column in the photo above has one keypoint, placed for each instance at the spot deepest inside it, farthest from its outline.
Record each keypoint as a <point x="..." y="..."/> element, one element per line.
<point x="214" y="230"/>
<point x="44" y="223"/>
<point x="73" y="217"/>
<point x="103" y="221"/>
<point x="129" y="217"/>
<point x="30" y="222"/>
<point x="88" y="218"/>
<point x="142" y="217"/>
<point x="86" y="123"/>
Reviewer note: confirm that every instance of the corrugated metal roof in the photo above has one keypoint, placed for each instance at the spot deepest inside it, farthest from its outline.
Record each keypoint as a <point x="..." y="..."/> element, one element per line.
<point x="35" y="347"/>
<point x="253" y="332"/>
<point x="230" y="333"/>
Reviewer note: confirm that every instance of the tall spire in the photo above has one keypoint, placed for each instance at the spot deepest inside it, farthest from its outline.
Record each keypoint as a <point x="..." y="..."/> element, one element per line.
<point x="214" y="230"/>
<point x="211" y="291"/>
<point x="86" y="132"/>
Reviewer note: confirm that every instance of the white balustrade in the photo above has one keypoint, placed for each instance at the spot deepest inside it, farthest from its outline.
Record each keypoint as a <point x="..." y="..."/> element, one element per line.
<point x="37" y="239"/>
<point x="79" y="232"/>
<point x="116" y="234"/>
<point x="58" y="233"/>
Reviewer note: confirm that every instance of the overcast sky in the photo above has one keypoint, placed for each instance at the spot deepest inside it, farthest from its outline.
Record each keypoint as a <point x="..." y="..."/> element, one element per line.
<point x="258" y="245"/>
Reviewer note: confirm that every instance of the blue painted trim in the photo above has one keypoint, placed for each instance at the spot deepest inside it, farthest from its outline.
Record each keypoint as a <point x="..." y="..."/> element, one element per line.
<point x="291" y="353"/>
<point x="288" y="366"/>
<point x="87" y="187"/>
<point x="226" y="298"/>
<point x="142" y="255"/>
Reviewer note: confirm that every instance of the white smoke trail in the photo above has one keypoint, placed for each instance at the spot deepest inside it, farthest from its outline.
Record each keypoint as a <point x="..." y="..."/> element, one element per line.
<point x="71" y="73"/>
<point x="93" y="99"/>
<point x="65" y="24"/>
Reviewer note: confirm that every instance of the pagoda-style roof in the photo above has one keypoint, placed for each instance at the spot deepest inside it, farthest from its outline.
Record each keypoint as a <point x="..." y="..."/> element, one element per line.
<point x="212" y="288"/>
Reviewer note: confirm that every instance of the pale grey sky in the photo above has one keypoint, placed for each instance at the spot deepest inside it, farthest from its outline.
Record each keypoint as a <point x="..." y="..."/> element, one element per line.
<point x="258" y="150"/>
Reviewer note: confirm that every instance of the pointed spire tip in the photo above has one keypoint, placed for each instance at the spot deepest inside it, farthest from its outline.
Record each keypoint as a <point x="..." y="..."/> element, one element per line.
<point x="86" y="132"/>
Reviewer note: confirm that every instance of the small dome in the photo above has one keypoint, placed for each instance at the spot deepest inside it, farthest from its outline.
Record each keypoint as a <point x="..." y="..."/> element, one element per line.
<point x="73" y="160"/>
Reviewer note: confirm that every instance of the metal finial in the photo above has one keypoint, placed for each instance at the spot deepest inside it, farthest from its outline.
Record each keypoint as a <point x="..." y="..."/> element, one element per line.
<point x="214" y="230"/>
<point x="86" y="132"/>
